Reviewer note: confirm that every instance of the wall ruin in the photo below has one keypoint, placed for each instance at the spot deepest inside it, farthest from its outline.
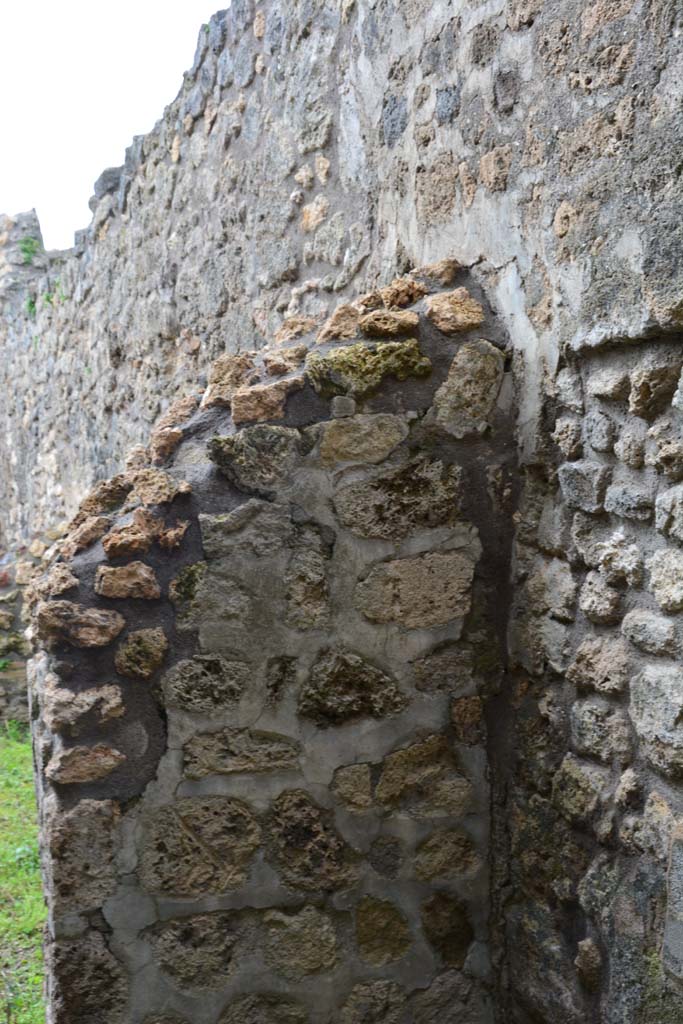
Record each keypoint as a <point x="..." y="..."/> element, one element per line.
<point x="318" y="153"/>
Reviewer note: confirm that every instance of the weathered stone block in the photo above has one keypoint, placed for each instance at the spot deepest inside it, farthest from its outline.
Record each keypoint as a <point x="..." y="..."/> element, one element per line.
<point x="382" y="932"/>
<point x="598" y="601"/>
<point x="666" y="579"/>
<point x="366" y="439"/>
<point x="258" y="458"/>
<point x="300" y="944"/>
<point x="238" y="750"/>
<point x="205" y="683"/>
<point x="601" y="730"/>
<point x="446" y="853"/>
<point x="453" y="312"/>
<point x="264" y="1010"/>
<point x="342" y="687"/>
<point x="601" y="664"/>
<point x="652" y="633"/>
<point x="447" y="928"/>
<point x="198" y="951"/>
<point x="577" y="788"/>
<point x="418" y="593"/>
<point x="584" y="484"/>
<point x="83" y="764"/>
<point x="81" y="847"/>
<point x="135" y="580"/>
<point x="81" y="627"/>
<point x="465" y="402"/>
<point x="424" y="780"/>
<point x="359" y="369"/>
<point x="629" y="502"/>
<point x="669" y="513"/>
<point x="656" y="710"/>
<point x="142" y="653"/>
<point x="305" y="847"/>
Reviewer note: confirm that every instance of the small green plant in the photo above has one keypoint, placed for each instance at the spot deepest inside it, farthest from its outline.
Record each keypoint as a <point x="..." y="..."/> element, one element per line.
<point x="4" y="664"/>
<point x="30" y="306"/>
<point x="29" y="248"/>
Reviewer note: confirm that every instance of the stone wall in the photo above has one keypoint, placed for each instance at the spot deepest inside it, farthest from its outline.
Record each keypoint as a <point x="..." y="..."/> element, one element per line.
<point x="317" y="152"/>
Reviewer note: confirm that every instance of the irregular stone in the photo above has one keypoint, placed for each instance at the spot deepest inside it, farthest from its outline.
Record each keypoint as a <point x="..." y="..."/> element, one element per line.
<point x="163" y="442"/>
<point x="58" y="580"/>
<point x="403" y="291"/>
<point x="258" y="458"/>
<point x="90" y="983"/>
<point x="134" y="538"/>
<point x="263" y="401"/>
<point x="669" y="458"/>
<point x="589" y="964"/>
<point x="178" y="412"/>
<point x="342" y="687"/>
<point x="630" y="448"/>
<point x="199" y="950"/>
<point x="629" y="503"/>
<point x="307" y="591"/>
<point x="386" y="856"/>
<point x="238" y="750"/>
<point x="83" y="764"/>
<point x="611" y="383"/>
<point x="569" y="389"/>
<point x="382" y="932"/>
<point x="552" y="589"/>
<point x="205" y="683"/>
<point x="666" y="579"/>
<point x="294" y="327"/>
<point x="467" y="719"/>
<point x="619" y="562"/>
<point x="600" y="431"/>
<point x="446" y="853"/>
<point x="567" y="436"/>
<point x="584" y="485"/>
<point x="419" y="593"/>
<point x="447" y="928"/>
<point x="443" y="272"/>
<point x="652" y="390"/>
<point x="156" y="487"/>
<point x="314" y="213"/>
<point x="343" y="324"/>
<point x="135" y="580"/>
<point x="300" y="944"/>
<point x="600" y="730"/>
<point x="383" y="323"/>
<point x="304" y="846"/>
<point x="88" y="532"/>
<point x="277" y="364"/>
<point x="59" y="621"/>
<point x="359" y="369"/>
<point x="226" y="375"/>
<point x="577" y="788"/>
<point x="80" y="843"/>
<point x="105" y="497"/>
<point x="651" y="832"/>
<point x="367" y="439"/>
<point x="352" y="784"/>
<point x="650" y="632"/>
<point x="598" y="601"/>
<point x="494" y="168"/>
<point x="452" y="312"/>
<point x="198" y="846"/>
<point x="141" y="653"/>
<point x="424" y="780"/>
<point x="669" y="513"/>
<point x="264" y="1010"/>
<point x="600" y="664"/>
<point x="373" y="1002"/>
<point x="464" y="403"/>
<point x="447" y="669"/>
<point x="72" y="713"/>
<point x="656" y="711"/>
<point x="421" y="495"/>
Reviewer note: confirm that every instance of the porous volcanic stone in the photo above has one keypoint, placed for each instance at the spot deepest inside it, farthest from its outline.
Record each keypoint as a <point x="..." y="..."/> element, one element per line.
<point x="81" y="627"/>
<point x="447" y="927"/>
<point x="204" y="683"/>
<point x="83" y="764"/>
<point x="305" y="847"/>
<point x="142" y="653"/>
<point x="446" y="853"/>
<point x="238" y="750"/>
<point x="135" y="580"/>
<point x="464" y="403"/>
<point x="382" y="932"/>
<point x="453" y="312"/>
<point x="301" y="943"/>
<point x="429" y="590"/>
<point x="198" y="951"/>
<point x="342" y="686"/>
<point x="361" y="438"/>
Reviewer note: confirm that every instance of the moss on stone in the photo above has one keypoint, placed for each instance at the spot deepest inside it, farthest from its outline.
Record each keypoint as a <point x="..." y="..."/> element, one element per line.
<point x="660" y="1003"/>
<point x="359" y="369"/>
<point x="184" y="587"/>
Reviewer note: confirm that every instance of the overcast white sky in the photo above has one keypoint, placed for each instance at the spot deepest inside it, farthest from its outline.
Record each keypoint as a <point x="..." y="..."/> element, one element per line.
<point x="78" y="79"/>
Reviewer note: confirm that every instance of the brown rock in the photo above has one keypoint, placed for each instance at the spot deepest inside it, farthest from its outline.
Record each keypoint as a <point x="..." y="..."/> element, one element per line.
<point x="601" y="664"/>
<point x="155" y="487"/>
<point x="305" y="847"/>
<point x="133" y="580"/>
<point x="343" y="686"/>
<point x="494" y="168"/>
<point x="403" y="291"/>
<point x="227" y="374"/>
<point x="419" y="593"/>
<point x="286" y="361"/>
<point x="423" y="779"/>
<point x="205" y="683"/>
<point x="382" y="323"/>
<point x="453" y="312"/>
<point x="652" y="389"/>
<point x="313" y="214"/>
<point x="382" y="932"/>
<point x="58" y="580"/>
<point x="80" y="843"/>
<point x="443" y="273"/>
<point x="264" y="401"/>
<point x="89" y="531"/>
<point x="70" y="713"/>
<point x="352" y="784"/>
<point x="135" y="538"/>
<point x="374" y="1002"/>
<point x="446" y="853"/>
<point x="141" y="653"/>
<point x="173" y="536"/>
<point x="198" y="846"/>
<point x="447" y="928"/>
<point x="106" y="496"/>
<point x="294" y="327"/>
<point x="300" y="944"/>
<point x="198" y="951"/>
<point x="467" y="718"/>
<point x="164" y="442"/>
<point x="177" y="412"/>
<point x="465" y="401"/>
<point x="83" y="764"/>
<point x="367" y="439"/>
<point x="238" y="750"/>
<point x="343" y="323"/>
<point x="91" y="984"/>
<point x="81" y="627"/>
<point x="589" y="964"/>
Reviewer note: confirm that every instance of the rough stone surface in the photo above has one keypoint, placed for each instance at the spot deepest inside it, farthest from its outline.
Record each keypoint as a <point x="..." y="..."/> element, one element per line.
<point x="465" y="401"/>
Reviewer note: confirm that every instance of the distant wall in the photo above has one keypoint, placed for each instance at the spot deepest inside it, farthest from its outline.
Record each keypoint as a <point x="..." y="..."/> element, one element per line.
<point x="320" y="149"/>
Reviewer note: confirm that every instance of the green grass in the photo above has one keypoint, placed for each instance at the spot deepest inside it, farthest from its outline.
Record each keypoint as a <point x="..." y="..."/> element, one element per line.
<point x="22" y="910"/>
<point x="29" y="248"/>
